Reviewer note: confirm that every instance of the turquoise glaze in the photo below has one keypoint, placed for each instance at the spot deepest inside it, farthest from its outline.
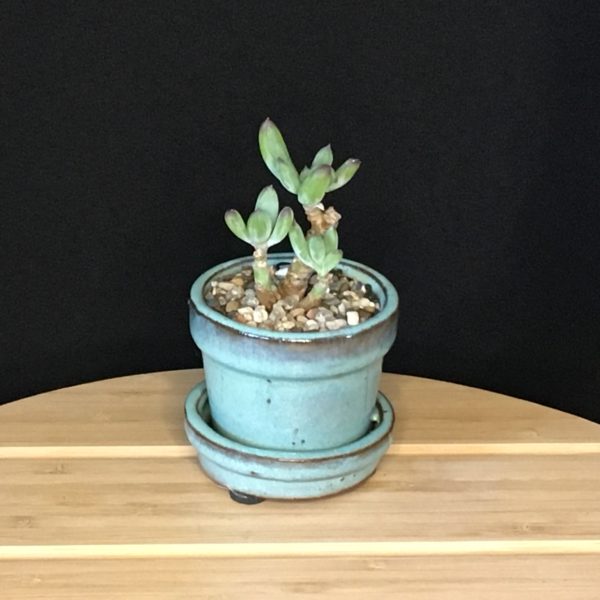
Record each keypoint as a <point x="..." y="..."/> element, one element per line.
<point x="279" y="474"/>
<point x="292" y="391"/>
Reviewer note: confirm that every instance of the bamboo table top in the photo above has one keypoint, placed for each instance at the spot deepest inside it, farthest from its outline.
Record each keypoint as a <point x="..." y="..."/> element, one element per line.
<point x="480" y="496"/>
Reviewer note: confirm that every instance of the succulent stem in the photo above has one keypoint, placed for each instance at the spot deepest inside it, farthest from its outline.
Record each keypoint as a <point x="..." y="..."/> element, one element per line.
<point x="262" y="275"/>
<point x="265" y="288"/>
<point x="320" y="219"/>
<point x="319" y="289"/>
<point x="296" y="280"/>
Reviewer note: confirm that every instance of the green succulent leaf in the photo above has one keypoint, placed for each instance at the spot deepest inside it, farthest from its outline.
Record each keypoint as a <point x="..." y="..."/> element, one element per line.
<point x="276" y="156"/>
<point x="323" y="157"/>
<point x="259" y="227"/>
<point x="282" y="226"/>
<point x="305" y="171"/>
<point x="344" y="174"/>
<point x="299" y="244"/>
<point x="288" y="177"/>
<point x="268" y="202"/>
<point x="236" y="224"/>
<point x="330" y="237"/>
<point x="331" y="262"/>
<point x="316" y="248"/>
<point x="315" y="185"/>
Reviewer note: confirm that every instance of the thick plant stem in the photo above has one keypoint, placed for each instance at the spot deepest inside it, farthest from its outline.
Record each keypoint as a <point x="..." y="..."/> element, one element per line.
<point x="320" y="219"/>
<point x="296" y="279"/>
<point x="266" y="291"/>
<point x="314" y="297"/>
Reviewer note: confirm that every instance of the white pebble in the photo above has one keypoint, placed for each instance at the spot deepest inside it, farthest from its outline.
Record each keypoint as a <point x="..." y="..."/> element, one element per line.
<point x="260" y="314"/>
<point x="335" y="324"/>
<point x="311" y="325"/>
<point x="352" y="317"/>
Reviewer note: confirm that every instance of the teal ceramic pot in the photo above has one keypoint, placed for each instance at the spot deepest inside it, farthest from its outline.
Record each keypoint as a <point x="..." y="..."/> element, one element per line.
<point x="292" y="391"/>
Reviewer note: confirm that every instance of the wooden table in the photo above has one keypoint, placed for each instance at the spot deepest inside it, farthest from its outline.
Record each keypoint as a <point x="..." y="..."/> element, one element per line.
<point x="481" y="496"/>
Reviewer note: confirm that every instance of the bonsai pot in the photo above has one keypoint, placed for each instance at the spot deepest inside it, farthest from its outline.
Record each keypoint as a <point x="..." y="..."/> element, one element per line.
<point x="290" y="414"/>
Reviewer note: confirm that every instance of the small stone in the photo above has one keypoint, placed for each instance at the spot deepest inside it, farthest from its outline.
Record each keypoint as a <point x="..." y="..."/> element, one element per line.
<point x="212" y="301"/>
<point x="350" y="294"/>
<point x="365" y="303"/>
<point x="311" y="325"/>
<point x="290" y="301"/>
<point x="335" y="324"/>
<point x="238" y="281"/>
<point x="232" y="305"/>
<point x="342" y="308"/>
<point x="322" y="315"/>
<point x="352" y="317"/>
<point x="357" y="286"/>
<point x="260" y="314"/>
<point x="287" y="325"/>
<point x="250" y="301"/>
<point x="221" y="300"/>
<point x="277" y="312"/>
<point x="296" y="312"/>
<point x="301" y="319"/>
<point x="246" y="312"/>
<point x="226" y="285"/>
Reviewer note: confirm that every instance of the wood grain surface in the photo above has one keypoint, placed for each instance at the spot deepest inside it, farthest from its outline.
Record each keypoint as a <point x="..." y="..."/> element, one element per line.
<point x="481" y="495"/>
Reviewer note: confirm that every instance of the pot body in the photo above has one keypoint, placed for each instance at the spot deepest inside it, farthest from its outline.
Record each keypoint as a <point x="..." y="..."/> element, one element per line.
<point x="292" y="390"/>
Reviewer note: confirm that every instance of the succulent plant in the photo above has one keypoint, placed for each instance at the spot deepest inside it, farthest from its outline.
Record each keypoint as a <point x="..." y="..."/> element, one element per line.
<point x="316" y="251"/>
<point x="313" y="182"/>
<point x="319" y="251"/>
<point x="266" y="226"/>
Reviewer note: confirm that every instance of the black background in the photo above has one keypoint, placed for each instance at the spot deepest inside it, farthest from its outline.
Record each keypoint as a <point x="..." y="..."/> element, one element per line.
<point x="129" y="128"/>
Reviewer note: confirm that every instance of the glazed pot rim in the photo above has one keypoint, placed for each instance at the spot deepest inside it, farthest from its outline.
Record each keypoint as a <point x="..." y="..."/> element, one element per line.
<point x="385" y="315"/>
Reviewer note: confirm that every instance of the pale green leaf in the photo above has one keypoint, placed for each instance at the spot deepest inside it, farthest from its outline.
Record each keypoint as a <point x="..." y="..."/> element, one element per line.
<point x="236" y="224"/>
<point x="344" y="174"/>
<point x="298" y="242"/>
<point x="331" y="261"/>
<point x="315" y="185"/>
<point x="259" y="227"/>
<point x="268" y="202"/>
<point x="330" y="237"/>
<point x="323" y="157"/>
<point x="305" y="171"/>
<point x="316" y="248"/>
<point x="276" y="156"/>
<point x="282" y="226"/>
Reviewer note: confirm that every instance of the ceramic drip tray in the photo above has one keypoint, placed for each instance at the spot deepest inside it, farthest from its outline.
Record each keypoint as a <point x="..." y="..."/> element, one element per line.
<point x="252" y="474"/>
